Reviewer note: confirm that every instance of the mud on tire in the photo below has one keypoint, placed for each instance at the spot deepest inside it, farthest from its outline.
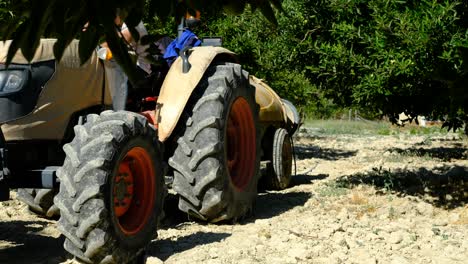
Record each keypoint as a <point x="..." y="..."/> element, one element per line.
<point x="91" y="181"/>
<point x="216" y="162"/>
<point x="40" y="201"/>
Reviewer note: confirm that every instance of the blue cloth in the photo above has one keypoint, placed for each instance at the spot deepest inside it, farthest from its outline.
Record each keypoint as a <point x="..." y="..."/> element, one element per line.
<point x="188" y="38"/>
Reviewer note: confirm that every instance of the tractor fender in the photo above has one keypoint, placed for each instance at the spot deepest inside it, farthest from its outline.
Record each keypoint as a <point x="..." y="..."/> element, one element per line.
<point x="272" y="109"/>
<point x="178" y="86"/>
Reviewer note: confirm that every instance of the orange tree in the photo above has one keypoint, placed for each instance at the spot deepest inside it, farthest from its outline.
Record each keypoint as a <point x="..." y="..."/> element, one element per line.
<point x="383" y="57"/>
<point x="26" y="21"/>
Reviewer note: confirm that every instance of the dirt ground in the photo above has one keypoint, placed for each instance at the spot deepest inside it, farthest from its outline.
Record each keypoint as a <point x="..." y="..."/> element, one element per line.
<point x="355" y="199"/>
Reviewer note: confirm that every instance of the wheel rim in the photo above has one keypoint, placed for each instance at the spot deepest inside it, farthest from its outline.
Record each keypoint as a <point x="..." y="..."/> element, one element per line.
<point x="241" y="143"/>
<point x="134" y="191"/>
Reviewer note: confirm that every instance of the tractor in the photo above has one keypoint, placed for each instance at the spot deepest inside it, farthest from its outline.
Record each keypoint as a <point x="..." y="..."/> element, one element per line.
<point x="77" y="142"/>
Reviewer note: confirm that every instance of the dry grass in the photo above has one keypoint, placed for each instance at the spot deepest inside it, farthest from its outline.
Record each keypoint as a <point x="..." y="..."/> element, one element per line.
<point x="358" y="199"/>
<point x="463" y="219"/>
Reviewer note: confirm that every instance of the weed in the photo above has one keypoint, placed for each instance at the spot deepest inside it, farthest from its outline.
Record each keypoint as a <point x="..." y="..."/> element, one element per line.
<point x="351" y="127"/>
<point x="358" y="199"/>
<point x="395" y="158"/>
<point x="366" y="209"/>
<point x="427" y="157"/>
<point x="387" y="178"/>
<point x="384" y="131"/>
<point x="427" y="141"/>
<point x="392" y="213"/>
<point x="332" y="189"/>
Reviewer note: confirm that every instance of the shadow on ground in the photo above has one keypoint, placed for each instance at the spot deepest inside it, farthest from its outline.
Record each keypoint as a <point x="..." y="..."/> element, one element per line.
<point x="275" y="203"/>
<point x="172" y="215"/>
<point x="442" y="153"/>
<point x="164" y="248"/>
<point x="446" y="187"/>
<point x="27" y="246"/>
<point x="308" y="152"/>
<point x="303" y="179"/>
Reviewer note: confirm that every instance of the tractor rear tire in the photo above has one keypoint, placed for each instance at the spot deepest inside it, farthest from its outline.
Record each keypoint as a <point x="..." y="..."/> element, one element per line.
<point x="216" y="162"/>
<point x="278" y="170"/>
<point x="40" y="201"/>
<point x="111" y="188"/>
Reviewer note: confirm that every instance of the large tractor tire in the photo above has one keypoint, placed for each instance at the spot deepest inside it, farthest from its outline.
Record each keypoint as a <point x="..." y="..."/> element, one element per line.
<point x="111" y="188"/>
<point x="40" y="201"/>
<point x="278" y="170"/>
<point x="216" y="162"/>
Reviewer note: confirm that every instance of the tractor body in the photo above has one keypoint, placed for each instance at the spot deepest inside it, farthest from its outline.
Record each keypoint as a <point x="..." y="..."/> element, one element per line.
<point x="78" y="143"/>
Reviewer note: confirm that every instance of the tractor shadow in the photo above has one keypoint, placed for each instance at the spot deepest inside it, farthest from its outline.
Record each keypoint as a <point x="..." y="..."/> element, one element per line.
<point x="164" y="248"/>
<point x="21" y="242"/>
<point x="272" y="204"/>
<point x="445" y="187"/>
<point x="308" y="152"/>
<point x="304" y="179"/>
<point x="172" y="215"/>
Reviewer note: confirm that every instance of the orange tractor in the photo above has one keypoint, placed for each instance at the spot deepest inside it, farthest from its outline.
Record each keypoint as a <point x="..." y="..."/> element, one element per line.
<point x="86" y="147"/>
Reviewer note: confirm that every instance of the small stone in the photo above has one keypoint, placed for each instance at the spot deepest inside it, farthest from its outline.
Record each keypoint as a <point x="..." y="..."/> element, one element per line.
<point x="326" y="233"/>
<point x="264" y="233"/>
<point x="298" y="253"/>
<point x="262" y="222"/>
<point x="424" y="208"/>
<point x="383" y="216"/>
<point x="441" y="222"/>
<point x="343" y="243"/>
<point x="338" y="257"/>
<point x="153" y="260"/>
<point x="362" y="257"/>
<point x="395" y="238"/>
<point x="415" y="247"/>
<point x="343" y="214"/>
<point x="453" y="217"/>
<point x="399" y="260"/>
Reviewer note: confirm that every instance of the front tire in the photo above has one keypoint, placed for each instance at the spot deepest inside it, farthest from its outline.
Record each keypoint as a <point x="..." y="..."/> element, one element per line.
<point x="40" y="201"/>
<point x="278" y="170"/>
<point x="111" y="188"/>
<point x="216" y="162"/>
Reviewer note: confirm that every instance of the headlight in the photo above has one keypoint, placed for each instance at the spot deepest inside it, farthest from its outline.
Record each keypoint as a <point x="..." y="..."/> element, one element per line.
<point x="11" y="80"/>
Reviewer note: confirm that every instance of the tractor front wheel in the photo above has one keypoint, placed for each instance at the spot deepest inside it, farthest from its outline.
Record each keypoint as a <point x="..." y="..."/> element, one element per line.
<point x="111" y="188"/>
<point x="40" y="201"/>
<point x="278" y="170"/>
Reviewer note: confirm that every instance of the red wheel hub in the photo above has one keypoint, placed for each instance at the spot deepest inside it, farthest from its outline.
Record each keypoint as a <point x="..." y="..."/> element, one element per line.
<point x="241" y="143"/>
<point x="134" y="191"/>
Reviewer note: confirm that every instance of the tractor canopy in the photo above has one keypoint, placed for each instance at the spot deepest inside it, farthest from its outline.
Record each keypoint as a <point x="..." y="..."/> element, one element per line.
<point x="44" y="93"/>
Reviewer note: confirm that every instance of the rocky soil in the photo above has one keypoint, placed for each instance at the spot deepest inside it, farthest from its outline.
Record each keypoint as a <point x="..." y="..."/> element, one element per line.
<point x="355" y="199"/>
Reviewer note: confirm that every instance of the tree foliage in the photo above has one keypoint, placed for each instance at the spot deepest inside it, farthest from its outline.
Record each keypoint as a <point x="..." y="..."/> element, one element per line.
<point x="30" y="20"/>
<point x="384" y="57"/>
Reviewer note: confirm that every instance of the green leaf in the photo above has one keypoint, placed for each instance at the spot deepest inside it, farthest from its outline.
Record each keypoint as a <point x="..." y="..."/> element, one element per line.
<point x="120" y="53"/>
<point x="277" y="5"/>
<point x="16" y="43"/>
<point x="136" y="13"/>
<point x="59" y="48"/>
<point x="88" y="43"/>
<point x="163" y="9"/>
<point x="267" y="11"/>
